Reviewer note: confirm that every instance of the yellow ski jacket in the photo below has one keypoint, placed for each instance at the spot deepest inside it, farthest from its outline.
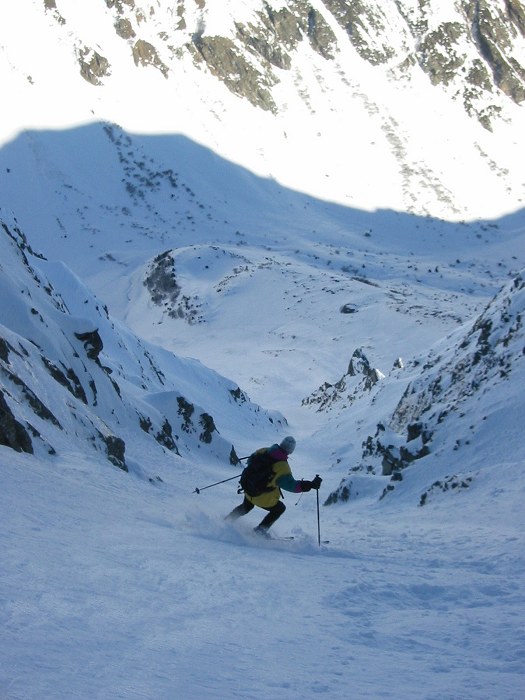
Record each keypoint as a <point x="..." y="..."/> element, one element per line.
<point x="282" y="479"/>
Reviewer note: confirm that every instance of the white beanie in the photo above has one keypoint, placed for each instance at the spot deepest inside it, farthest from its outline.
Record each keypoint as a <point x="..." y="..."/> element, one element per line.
<point x="288" y="444"/>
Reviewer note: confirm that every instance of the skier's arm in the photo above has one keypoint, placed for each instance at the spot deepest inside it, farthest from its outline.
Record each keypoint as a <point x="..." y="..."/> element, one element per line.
<point x="284" y="479"/>
<point x="288" y="483"/>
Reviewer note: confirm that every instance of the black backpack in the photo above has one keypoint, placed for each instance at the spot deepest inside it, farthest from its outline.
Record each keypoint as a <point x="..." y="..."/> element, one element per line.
<point x="258" y="473"/>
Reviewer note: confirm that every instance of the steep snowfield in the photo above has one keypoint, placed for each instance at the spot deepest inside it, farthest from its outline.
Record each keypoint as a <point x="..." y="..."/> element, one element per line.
<point x="67" y="365"/>
<point x="130" y="585"/>
<point x="112" y="587"/>
<point x="236" y="260"/>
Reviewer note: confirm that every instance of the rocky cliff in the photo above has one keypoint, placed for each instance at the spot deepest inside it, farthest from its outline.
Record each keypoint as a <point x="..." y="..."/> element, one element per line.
<point x="475" y="51"/>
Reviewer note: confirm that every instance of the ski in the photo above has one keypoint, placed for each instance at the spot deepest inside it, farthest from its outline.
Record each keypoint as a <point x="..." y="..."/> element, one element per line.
<point x="288" y="538"/>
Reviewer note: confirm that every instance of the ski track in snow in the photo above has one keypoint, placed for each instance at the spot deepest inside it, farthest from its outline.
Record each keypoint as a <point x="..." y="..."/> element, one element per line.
<point x="123" y="595"/>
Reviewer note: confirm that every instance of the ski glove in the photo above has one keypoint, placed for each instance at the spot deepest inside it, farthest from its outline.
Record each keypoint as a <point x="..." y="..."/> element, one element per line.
<point x="308" y="485"/>
<point x="316" y="482"/>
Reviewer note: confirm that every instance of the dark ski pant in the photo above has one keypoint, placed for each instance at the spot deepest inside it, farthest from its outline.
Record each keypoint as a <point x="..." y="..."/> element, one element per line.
<point x="246" y="506"/>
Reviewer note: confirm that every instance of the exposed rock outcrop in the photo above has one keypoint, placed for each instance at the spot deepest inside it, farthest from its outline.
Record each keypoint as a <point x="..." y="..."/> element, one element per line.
<point x="440" y="406"/>
<point x="471" y="49"/>
<point x="12" y="433"/>
<point x="359" y="377"/>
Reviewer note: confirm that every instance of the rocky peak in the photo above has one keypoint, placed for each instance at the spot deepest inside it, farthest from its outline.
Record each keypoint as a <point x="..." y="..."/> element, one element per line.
<point x="490" y="353"/>
<point x="359" y="378"/>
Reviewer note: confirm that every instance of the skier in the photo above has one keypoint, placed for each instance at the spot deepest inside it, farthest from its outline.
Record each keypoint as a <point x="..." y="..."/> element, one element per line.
<point x="279" y="477"/>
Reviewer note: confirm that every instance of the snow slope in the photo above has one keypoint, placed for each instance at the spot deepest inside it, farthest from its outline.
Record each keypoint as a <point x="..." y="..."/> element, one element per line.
<point x="346" y="131"/>
<point x="73" y="374"/>
<point x="114" y="589"/>
<point x="237" y="260"/>
<point x="130" y="585"/>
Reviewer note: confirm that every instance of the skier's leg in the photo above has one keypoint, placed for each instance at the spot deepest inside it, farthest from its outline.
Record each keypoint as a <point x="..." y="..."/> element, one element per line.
<point x="242" y="509"/>
<point x="274" y="513"/>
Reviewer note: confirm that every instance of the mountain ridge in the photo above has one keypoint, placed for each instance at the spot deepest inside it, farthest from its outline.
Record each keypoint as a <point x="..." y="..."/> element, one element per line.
<point x="442" y="411"/>
<point x="71" y="378"/>
<point x="385" y="128"/>
<point x="410" y="38"/>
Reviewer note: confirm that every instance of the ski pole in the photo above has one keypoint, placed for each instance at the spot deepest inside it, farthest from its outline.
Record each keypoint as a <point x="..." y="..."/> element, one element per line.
<point x="216" y="484"/>
<point x="318" y="519"/>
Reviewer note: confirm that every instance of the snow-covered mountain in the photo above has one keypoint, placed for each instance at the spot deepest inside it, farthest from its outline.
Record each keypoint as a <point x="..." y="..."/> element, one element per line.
<point x="72" y="376"/>
<point x="475" y="51"/>
<point x="371" y="105"/>
<point x="466" y="399"/>
<point x="222" y="222"/>
<point x="256" y="181"/>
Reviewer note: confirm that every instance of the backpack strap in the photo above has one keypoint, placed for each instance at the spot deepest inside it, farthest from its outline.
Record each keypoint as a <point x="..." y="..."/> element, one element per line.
<point x="278" y="454"/>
